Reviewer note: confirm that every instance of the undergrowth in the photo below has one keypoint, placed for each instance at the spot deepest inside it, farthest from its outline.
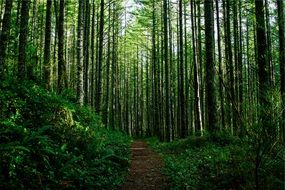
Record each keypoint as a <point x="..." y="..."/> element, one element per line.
<point x="222" y="162"/>
<point x="49" y="142"/>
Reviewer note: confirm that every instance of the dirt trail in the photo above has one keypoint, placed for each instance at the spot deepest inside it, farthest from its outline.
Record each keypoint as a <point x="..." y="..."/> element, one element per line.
<point x="145" y="171"/>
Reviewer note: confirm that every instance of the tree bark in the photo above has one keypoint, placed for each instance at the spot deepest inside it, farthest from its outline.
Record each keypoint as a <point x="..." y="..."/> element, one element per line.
<point x="100" y="58"/>
<point x="23" y="39"/>
<point x="210" y="68"/>
<point x="197" y="98"/>
<point x="156" y="120"/>
<point x="182" y="116"/>
<point x="4" y="36"/>
<point x="93" y="53"/>
<point x="262" y="61"/>
<point x="62" y="77"/>
<point x="80" y="90"/>
<point x="280" y="6"/>
<point x="167" y="100"/>
<point x="108" y="62"/>
<point x="47" y="50"/>
<point x="221" y="90"/>
<point x="86" y="48"/>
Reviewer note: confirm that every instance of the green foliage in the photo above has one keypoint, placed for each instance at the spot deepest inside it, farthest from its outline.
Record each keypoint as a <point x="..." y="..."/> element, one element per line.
<point x="219" y="162"/>
<point x="46" y="141"/>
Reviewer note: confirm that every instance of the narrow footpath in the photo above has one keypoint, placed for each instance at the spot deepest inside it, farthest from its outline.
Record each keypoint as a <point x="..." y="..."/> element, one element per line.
<point x="145" y="173"/>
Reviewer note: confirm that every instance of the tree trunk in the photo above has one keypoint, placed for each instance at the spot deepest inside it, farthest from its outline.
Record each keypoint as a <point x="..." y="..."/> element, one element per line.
<point x="235" y="100"/>
<point x="108" y="60"/>
<point x="229" y="63"/>
<point x="100" y="58"/>
<point x="269" y="43"/>
<point x="80" y="90"/>
<point x="171" y="67"/>
<point x="221" y="90"/>
<point x="182" y="116"/>
<point x="200" y="60"/>
<point x="86" y="43"/>
<point x="197" y="98"/>
<point x="113" y="74"/>
<point x="167" y="100"/>
<point x="280" y="6"/>
<point x="264" y="85"/>
<point x="210" y="68"/>
<point x="1" y="12"/>
<point x="23" y="39"/>
<point x="262" y="61"/>
<point x="240" y="75"/>
<point x="47" y="50"/>
<point x="156" y="121"/>
<point x="62" y="78"/>
<point x="4" y="36"/>
<point x="92" y="54"/>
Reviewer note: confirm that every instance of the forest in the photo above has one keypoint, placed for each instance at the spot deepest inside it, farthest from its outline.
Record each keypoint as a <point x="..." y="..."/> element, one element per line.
<point x="142" y="94"/>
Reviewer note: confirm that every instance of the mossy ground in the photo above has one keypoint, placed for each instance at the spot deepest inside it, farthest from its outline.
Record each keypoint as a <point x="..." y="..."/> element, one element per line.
<point x="220" y="162"/>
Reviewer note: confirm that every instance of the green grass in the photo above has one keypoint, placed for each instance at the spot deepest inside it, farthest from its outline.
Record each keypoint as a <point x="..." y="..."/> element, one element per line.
<point x="220" y="162"/>
<point x="49" y="142"/>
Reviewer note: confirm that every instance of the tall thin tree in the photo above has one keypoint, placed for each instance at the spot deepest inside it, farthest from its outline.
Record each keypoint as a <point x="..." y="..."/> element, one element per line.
<point x="86" y="42"/>
<point x="182" y="116"/>
<point x="265" y="121"/>
<point x="80" y="90"/>
<point x="62" y="78"/>
<point x="280" y="6"/>
<point x="4" y="36"/>
<point x="262" y="61"/>
<point x="167" y="99"/>
<point x="99" y="62"/>
<point x="221" y="93"/>
<point x="23" y="39"/>
<point x="47" y="49"/>
<point x="210" y="67"/>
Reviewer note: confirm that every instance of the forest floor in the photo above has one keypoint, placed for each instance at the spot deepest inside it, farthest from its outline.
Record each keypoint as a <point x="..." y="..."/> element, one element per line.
<point x="145" y="173"/>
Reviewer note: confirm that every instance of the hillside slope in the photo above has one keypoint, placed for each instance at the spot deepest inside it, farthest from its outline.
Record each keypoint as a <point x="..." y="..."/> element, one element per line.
<point x="49" y="142"/>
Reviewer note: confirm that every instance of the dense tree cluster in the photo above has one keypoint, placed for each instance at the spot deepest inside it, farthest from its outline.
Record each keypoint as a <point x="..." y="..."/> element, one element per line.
<point x="165" y="68"/>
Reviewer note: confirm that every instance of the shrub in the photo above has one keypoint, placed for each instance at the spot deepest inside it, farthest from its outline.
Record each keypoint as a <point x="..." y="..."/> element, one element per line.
<point x="47" y="141"/>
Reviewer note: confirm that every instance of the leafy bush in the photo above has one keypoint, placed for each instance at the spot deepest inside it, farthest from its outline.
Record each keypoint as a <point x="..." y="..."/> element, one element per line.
<point x="218" y="162"/>
<point x="46" y="141"/>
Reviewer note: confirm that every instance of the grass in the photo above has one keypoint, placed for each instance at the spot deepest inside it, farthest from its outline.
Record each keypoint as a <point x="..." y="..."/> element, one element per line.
<point x="220" y="162"/>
